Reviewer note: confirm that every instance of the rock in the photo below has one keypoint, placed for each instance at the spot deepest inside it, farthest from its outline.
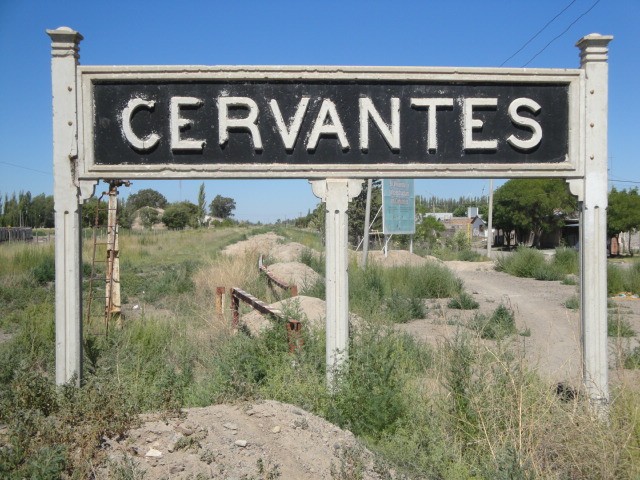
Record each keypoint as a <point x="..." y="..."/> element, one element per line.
<point x="230" y="426"/>
<point x="240" y="443"/>
<point x="186" y="431"/>
<point x="153" y="453"/>
<point x="176" y="469"/>
<point x="276" y="429"/>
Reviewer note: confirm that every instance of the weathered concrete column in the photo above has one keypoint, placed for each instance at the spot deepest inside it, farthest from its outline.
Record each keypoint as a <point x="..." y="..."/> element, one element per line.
<point x="68" y="232"/>
<point x="593" y="225"/>
<point x="336" y="193"/>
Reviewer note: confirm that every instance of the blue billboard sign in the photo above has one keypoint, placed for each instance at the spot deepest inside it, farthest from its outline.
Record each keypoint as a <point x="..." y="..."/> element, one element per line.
<point x="398" y="206"/>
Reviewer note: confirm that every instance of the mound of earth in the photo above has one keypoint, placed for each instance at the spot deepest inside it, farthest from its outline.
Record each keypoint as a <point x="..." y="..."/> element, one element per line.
<point x="268" y="244"/>
<point x="295" y="273"/>
<point x="260" y="440"/>
<point x="258" y="244"/>
<point x="396" y="258"/>
<point x="287" y="252"/>
<point x="310" y="309"/>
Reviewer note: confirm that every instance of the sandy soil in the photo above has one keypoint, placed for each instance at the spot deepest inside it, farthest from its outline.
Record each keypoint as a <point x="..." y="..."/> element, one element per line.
<point x="250" y="441"/>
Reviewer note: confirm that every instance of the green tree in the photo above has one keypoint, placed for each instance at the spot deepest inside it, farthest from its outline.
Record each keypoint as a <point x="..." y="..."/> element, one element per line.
<point x="146" y="198"/>
<point x="88" y="214"/>
<point x="149" y="216"/>
<point x="202" y="199"/>
<point x="41" y="212"/>
<point x="222" y="207"/>
<point x="181" y="214"/>
<point x="623" y="214"/>
<point x="429" y="230"/>
<point x="532" y="205"/>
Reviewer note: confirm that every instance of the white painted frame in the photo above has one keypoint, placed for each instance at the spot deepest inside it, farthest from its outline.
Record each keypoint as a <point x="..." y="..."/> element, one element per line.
<point x="571" y="168"/>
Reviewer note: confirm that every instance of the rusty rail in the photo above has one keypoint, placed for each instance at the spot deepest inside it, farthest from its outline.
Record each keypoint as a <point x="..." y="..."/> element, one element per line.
<point x="272" y="279"/>
<point x="294" y="327"/>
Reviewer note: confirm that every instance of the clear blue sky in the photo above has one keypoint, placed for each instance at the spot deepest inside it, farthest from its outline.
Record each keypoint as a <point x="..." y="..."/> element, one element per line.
<point x="427" y="33"/>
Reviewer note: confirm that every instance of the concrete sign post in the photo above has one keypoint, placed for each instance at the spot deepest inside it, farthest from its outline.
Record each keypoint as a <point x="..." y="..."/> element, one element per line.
<point x="593" y="197"/>
<point x="335" y="126"/>
<point x="336" y="194"/>
<point x="67" y="200"/>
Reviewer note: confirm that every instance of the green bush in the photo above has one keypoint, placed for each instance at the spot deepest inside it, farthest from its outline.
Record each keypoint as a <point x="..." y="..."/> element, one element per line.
<point x="566" y="260"/>
<point x="398" y="291"/>
<point x="572" y="303"/>
<point x="547" y="272"/>
<point x="501" y="323"/>
<point x="632" y="360"/>
<point x="464" y="301"/>
<point x="621" y="279"/>
<point x="619" y="327"/>
<point x="314" y="260"/>
<point x="524" y="262"/>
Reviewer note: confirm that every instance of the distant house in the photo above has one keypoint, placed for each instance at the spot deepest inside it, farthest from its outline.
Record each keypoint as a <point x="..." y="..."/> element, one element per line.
<point x="472" y="224"/>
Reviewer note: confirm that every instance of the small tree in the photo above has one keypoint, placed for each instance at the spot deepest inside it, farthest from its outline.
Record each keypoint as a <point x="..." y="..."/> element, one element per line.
<point x="149" y="216"/>
<point x="623" y="214"/>
<point x="202" y="199"/>
<point x="429" y="230"/>
<point x="222" y="207"/>
<point x="178" y="215"/>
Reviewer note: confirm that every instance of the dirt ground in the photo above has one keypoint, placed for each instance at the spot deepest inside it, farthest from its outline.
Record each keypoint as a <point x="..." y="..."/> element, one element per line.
<point x="274" y="440"/>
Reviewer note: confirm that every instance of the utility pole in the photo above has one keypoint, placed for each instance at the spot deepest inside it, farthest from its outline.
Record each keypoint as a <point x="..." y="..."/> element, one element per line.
<point x="490" y="224"/>
<point x="367" y="217"/>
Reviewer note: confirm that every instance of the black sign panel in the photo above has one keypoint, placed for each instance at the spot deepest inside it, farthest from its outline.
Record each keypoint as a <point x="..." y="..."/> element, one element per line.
<point x="153" y="122"/>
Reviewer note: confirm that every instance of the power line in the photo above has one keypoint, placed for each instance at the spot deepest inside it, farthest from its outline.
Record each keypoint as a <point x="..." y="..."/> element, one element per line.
<point x="563" y="32"/>
<point x="25" y="168"/>
<point x="538" y="32"/>
<point x="613" y="180"/>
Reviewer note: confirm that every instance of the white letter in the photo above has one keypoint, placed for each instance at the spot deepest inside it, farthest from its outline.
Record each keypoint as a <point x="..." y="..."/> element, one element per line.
<point x="178" y="124"/>
<point x="141" y="144"/>
<point x="432" y="104"/>
<point x="289" y="135"/>
<point x="535" y="127"/>
<point x="390" y="134"/>
<point x="327" y="110"/>
<point x="469" y="124"/>
<point x="248" y="123"/>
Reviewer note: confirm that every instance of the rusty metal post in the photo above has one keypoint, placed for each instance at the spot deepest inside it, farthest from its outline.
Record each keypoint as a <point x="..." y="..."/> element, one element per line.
<point x="235" y="307"/>
<point x="220" y="291"/>
<point x="294" y="335"/>
<point x="113" y="308"/>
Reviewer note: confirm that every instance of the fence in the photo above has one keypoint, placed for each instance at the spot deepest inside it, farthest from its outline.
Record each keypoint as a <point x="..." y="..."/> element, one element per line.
<point x="17" y="234"/>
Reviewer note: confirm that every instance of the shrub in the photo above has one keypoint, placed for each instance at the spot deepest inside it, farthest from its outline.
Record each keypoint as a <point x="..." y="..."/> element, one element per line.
<point x="524" y="262"/>
<point x="566" y="260"/>
<point x="500" y="324"/>
<point x="572" y="303"/>
<point x="313" y="259"/>
<point x="632" y="360"/>
<point x="464" y="301"/>
<point x="619" y="327"/>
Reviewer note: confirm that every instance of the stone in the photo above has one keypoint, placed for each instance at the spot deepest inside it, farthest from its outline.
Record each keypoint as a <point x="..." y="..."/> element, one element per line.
<point x="230" y="426"/>
<point x="276" y="429"/>
<point x="240" y="443"/>
<point x="153" y="453"/>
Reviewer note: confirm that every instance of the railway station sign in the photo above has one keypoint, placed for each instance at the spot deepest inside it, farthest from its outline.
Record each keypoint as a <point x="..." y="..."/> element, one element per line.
<point x="320" y="122"/>
<point x="334" y="126"/>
